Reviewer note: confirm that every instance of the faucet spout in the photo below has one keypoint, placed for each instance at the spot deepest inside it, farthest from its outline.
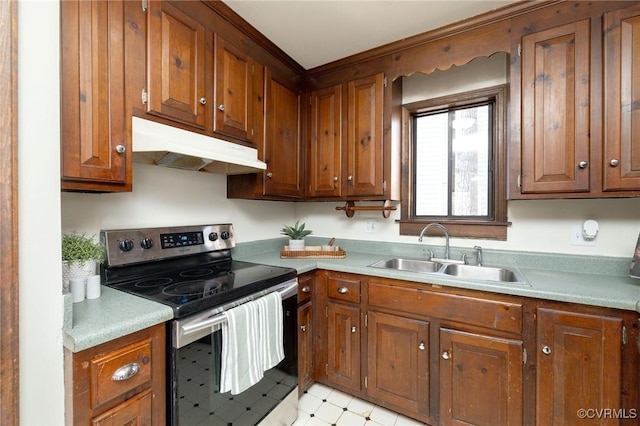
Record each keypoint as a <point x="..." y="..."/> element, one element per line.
<point x="446" y="236"/>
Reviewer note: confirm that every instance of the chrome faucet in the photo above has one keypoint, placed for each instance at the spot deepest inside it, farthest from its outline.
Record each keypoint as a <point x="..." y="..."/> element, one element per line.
<point x="446" y="236"/>
<point x="478" y="250"/>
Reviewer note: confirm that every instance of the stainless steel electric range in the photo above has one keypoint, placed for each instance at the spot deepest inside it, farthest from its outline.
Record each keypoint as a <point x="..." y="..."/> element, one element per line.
<point x="190" y="268"/>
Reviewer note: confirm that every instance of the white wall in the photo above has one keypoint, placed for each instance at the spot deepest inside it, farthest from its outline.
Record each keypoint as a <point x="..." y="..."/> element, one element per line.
<point x="40" y="300"/>
<point x="163" y="196"/>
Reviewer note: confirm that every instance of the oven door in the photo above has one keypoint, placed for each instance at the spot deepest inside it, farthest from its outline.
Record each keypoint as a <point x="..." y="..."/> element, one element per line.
<point x="194" y="373"/>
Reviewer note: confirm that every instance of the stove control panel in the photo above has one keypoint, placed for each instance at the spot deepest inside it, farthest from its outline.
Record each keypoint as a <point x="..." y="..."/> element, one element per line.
<point x="127" y="246"/>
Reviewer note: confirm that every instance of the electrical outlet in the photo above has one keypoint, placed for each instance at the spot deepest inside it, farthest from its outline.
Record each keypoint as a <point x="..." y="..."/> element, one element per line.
<point x="370" y="226"/>
<point x="577" y="239"/>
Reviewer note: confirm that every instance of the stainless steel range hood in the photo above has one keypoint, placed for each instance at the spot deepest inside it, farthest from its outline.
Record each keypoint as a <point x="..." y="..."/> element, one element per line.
<point x="162" y="145"/>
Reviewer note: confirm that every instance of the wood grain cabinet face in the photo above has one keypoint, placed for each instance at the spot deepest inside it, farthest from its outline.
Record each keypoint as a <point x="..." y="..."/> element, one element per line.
<point x="233" y="91"/>
<point x="305" y="346"/>
<point x="480" y="379"/>
<point x="579" y="365"/>
<point x="95" y="149"/>
<point x="133" y="412"/>
<point x="556" y="109"/>
<point x="621" y="165"/>
<point x="325" y="150"/>
<point x="282" y="141"/>
<point x="343" y="345"/>
<point x="176" y="65"/>
<point x="398" y="361"/>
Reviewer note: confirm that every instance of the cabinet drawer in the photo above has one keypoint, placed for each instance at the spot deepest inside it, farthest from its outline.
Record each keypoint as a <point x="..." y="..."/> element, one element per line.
<point x="343" y="289"/>
<point x="493" y="314"/>
<point x="120" y="371"/>
<point x="305" y="289"/>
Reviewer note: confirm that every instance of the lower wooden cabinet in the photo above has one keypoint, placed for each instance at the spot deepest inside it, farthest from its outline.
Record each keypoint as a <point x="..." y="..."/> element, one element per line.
<point x="398" y="361"/>
<point x="579" y="366"/>
<point x="121" y="382"/>
<point x="480" y="379"/>
<point x="449" y="356"/>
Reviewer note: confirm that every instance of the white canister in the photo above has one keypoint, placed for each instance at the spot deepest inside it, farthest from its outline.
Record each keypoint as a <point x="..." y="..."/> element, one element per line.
<point x="93" y="286"/>
<point x="77" y="289"/>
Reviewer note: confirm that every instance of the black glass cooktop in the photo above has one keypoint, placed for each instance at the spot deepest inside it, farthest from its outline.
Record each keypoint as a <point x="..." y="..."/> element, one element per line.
<point x="194" y="288"/>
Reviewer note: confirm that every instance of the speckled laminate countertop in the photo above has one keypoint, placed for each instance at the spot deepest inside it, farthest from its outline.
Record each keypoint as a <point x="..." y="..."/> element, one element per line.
<point x="577" y="279"/>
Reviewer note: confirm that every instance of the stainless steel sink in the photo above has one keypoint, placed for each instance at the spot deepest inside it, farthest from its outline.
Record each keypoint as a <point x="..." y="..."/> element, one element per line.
<point x="466" y="272"/>
<point x="409" y="265"/>
<point x="484" y="273"/>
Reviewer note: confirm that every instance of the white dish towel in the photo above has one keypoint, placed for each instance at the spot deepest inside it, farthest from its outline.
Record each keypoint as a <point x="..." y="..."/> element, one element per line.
<point x="241" y="364"/>
<point x="270" y="325"/>
<point x="252" y="342"/>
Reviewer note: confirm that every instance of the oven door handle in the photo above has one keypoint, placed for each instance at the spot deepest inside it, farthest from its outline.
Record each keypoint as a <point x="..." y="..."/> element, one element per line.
<point x="186" y="329"/>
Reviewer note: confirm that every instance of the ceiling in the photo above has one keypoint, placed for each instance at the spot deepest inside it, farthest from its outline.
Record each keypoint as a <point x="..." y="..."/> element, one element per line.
<point x="316" y="32"/>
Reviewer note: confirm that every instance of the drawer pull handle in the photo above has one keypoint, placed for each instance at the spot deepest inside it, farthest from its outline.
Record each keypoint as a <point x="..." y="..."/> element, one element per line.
<point x="126" y="372"/>
<point x="343" y="290"/>
<point x="306" y="289"/>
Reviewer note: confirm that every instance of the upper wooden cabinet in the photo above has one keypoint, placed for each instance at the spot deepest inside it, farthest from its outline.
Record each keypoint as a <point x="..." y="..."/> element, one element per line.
<point x="621" y="160"/>
<point x="95" y="141"/>
<point x="282" y="140"/>
<point x="176" y="65"/>
<point x="555" y="109"/>
<point x="234" y="70"/>
<point x="574" y="84"/>
<point x="347" y="150"/>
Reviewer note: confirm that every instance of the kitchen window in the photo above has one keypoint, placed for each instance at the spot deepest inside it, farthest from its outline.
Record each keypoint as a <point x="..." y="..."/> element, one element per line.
<point x="454" y="172"/>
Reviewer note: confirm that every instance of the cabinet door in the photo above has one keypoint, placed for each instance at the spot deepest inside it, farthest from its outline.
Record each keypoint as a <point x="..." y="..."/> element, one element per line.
<point x="282" y="140"/>
<point x="325" y="150"/>
<point x="555" y="109"/>
<point x="343" y="345"/>
<point x="364" y="137"/>
<point x="622" y="99"/>
<point x="480" y="379"/>
<point x="176" y="82"/>
<point x="579" y="366"/>
<point x="398" y="361"/>
<point x="305" y="347"/>
<point x="134" y="411"/>
<point x="233" y="86"/>
<point x="94" y="147"/>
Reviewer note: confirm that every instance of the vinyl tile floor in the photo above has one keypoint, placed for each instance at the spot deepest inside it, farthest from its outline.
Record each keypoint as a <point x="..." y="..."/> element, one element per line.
<point x="324" y="406"/>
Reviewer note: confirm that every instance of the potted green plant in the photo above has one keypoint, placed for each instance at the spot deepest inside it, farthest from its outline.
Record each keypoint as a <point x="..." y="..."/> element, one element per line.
<point x="296" y="234"/>
<point x="80" y="256"/>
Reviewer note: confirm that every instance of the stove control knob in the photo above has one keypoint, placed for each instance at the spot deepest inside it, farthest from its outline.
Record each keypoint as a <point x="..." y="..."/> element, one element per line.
<point x="224" y="235"/>
<point x="125" y="245"/>
<point x="213" y="236"/>
<point x="146" y="243"/>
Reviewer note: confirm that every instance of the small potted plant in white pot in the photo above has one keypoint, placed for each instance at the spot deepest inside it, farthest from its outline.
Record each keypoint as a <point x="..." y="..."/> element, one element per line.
<point x="80" y="257"/>
<point x="296" y="233"/>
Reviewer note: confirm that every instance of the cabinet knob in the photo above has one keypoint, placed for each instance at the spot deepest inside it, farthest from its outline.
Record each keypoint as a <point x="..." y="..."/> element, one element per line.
<point x="335" y="178"/>
<point x="269" y="175"/>
<point x="614" y="162"/>
<point x="445" y="355"/>
<point x="303" y="328"/>
<point x="343" y="290"/>
<point x="546" y="350"/>
<point x="221" y="107"/>
<point x="350" y="178"/>
<point x="421" y="346"/>
<point x="306" y="289"/>
<point x="203" y="100"/>
<point x="125" y="372"/>
<point x="120" y="149"/>
<point x="353" y="329"/>
<point x="583" y="164"/>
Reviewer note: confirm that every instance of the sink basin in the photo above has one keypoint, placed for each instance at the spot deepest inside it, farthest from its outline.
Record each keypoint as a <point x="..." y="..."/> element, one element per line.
<point x="484" y="273"/>
<point x="409" y="265"/>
